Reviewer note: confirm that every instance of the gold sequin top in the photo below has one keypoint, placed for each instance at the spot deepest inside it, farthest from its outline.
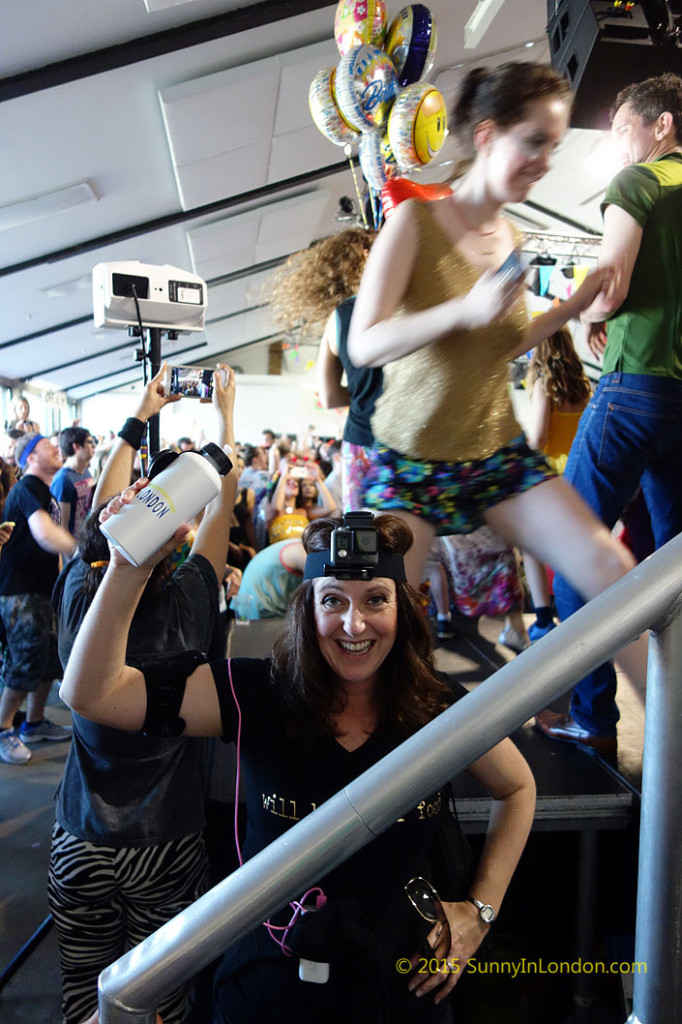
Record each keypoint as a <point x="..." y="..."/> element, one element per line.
<point x="449" y="402"/>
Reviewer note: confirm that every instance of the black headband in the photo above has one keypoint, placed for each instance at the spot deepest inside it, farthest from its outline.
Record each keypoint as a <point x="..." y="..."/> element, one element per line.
<point x="389" y="566"/>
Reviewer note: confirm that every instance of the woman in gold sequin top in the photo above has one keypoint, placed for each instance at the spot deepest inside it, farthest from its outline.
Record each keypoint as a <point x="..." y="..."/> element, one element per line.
<point x="296" y="501"/>
<point x="449" y="455"/>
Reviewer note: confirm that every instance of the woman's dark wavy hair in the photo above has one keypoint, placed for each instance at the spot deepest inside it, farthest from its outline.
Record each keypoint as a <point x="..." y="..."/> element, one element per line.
<point x="410" y="693"/>
<point x="93" y="547"/>
<point x="501" y="95"/>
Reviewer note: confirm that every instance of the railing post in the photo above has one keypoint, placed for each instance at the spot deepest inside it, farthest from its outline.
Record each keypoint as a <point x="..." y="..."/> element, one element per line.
<point x="658" y="944"/>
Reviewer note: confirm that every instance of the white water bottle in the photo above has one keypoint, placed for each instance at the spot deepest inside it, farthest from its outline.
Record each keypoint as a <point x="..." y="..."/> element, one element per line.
<point x="170" y="499"/>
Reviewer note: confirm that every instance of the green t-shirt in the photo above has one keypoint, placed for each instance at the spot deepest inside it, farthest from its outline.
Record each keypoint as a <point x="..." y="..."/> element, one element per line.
<point x="645" y="334"/>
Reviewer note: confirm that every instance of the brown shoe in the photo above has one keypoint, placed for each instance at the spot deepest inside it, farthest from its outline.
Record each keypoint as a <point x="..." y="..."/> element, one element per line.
<point x="563" y="727"/>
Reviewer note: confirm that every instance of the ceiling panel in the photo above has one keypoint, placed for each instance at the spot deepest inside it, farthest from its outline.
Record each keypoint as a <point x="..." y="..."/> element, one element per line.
<point x="206" y="123"/>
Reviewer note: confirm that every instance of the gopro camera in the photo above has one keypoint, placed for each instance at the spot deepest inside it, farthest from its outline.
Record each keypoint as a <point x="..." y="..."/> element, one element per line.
<point x="354" y="548"/>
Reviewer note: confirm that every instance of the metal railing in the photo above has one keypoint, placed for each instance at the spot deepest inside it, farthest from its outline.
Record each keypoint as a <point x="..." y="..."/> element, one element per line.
<point x="649" y="596"/>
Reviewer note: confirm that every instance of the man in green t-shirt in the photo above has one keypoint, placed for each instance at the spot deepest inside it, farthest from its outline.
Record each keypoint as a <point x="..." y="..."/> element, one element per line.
<point x="631" y="432"/>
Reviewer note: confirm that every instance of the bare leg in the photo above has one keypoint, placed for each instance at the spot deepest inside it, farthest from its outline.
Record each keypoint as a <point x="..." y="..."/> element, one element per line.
<point x="514" y="619"/>
<point x="35" y="703"/>
<point x="415" y="559"/>
<point x="438" y="581"/>
<point x="536" y="576"/>
<point x="553" y="523"/>
<point x="10" y="702"/>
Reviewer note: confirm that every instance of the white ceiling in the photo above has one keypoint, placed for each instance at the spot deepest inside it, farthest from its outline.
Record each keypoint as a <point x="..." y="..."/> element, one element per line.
<point x="152" y="109"/>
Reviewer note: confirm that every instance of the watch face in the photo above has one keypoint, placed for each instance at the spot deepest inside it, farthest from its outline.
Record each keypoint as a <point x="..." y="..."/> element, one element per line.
<point x="487" y="913"/>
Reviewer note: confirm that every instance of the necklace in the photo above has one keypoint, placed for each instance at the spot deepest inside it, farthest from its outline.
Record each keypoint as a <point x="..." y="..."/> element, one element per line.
<point x="481" y="230"/>
<point x="484" y="230"/>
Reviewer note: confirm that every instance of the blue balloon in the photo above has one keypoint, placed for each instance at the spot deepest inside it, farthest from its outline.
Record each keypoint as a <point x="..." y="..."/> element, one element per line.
<point x="411" y="43"/>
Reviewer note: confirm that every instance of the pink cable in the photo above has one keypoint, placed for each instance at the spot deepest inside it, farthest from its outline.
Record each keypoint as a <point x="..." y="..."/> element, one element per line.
<point x="298" y="906"/>
<point x="237" y="777"/>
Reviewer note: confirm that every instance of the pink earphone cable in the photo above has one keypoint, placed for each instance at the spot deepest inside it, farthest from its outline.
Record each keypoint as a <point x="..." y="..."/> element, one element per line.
<point x="298" y="906"/>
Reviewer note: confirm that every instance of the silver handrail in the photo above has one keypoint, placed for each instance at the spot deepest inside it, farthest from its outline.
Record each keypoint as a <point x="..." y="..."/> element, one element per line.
<point x="649" y="596"/>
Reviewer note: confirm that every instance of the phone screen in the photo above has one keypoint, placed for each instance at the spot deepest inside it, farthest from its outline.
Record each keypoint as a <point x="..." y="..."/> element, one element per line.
<point x="191" y="382"/>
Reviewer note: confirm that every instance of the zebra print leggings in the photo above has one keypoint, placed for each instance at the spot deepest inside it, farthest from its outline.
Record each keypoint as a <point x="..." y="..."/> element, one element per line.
<point x="104" y="900"/>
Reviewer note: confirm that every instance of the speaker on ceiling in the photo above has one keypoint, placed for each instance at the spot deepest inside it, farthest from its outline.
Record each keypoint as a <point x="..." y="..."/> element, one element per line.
<point x="601" y="47"/>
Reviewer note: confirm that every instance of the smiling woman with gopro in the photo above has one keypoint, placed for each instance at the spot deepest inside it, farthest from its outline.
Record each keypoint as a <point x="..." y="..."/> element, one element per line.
<point x="351" y="677"/>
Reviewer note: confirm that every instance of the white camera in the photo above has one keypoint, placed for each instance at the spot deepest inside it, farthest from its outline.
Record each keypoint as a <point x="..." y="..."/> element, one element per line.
<point x="167" y="297"/>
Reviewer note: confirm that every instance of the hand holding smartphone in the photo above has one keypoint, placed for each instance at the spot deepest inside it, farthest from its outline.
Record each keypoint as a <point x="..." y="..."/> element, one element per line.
<point x="191" y="381"/>
<point x="512" y="269"/>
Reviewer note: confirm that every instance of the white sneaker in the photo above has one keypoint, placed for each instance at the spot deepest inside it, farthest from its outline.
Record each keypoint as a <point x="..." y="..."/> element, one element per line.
<point x="511" y="638"/>
<point x="47" y="730"/>
<point x="12" y="750"/>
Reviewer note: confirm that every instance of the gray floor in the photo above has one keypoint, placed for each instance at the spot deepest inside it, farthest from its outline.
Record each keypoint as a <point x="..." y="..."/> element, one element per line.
<point x="26" y="819"/>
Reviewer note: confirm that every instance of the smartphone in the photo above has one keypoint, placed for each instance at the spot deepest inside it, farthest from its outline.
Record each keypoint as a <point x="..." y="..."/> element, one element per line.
<point x="512" y="268"/>
<point x="299" y="473"/>
<point x="189" y="381"/>
<point x="310" y="970"/>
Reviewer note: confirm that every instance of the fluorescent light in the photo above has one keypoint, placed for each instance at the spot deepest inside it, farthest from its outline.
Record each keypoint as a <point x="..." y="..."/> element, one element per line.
<point x="45" y="204"/>
<point x="160" y="5"/>
<point x="480" y="21"/>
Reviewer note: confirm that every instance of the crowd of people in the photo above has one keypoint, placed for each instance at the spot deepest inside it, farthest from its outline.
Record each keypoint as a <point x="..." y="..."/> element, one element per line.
<point x="424" y="330"/>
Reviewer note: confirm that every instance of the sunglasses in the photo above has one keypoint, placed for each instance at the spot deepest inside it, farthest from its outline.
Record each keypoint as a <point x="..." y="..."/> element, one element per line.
<point x="425" y="900"/>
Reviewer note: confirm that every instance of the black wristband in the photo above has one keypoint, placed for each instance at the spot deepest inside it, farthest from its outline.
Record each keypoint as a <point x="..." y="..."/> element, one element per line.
<point x="132" y="432"/>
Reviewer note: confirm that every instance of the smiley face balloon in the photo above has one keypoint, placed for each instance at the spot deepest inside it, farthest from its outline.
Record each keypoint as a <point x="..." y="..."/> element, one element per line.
<point x="366" y="86"/>
<point x="324" y="110"/>
<point x="358" y="22"/>
<point x="417" y="125"/>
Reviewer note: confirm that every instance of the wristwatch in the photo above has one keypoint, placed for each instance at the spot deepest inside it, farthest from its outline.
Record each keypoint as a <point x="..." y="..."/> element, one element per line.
<point x="485" y="910"/>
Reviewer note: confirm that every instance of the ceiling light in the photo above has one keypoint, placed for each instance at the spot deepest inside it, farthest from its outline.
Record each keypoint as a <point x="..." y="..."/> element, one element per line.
<point x="480" y="21"/>
<point x="160" y="5"/>
<point x="45" y="204"/>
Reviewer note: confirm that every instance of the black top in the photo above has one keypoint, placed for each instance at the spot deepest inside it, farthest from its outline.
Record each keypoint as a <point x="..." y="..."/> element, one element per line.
<point x="25" y="567"/>
<point x="242" y="515"/>
<point x="121" y="788"/>
<point x="284" y="784"/>
<point x="364" y="384"/>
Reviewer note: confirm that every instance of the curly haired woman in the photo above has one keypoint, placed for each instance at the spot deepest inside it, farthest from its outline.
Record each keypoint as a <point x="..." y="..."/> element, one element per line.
<point x="316" y="287"/>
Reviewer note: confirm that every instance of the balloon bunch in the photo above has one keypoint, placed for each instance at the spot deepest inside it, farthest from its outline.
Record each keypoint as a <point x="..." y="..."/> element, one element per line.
<point x="375" y="102"/>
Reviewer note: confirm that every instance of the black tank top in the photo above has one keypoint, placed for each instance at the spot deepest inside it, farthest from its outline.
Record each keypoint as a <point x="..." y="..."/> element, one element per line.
<point x="364" y="384"/>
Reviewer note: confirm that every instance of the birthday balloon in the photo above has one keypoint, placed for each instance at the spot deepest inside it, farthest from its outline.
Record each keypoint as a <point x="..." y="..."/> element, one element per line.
<point x="376" y="160"/>
<point x="366" y="86"/>
<point x="411" y="43"/>
<point x="358" y="22"/>
<point x="417" y="125"/>
<point x="324" y="109"/>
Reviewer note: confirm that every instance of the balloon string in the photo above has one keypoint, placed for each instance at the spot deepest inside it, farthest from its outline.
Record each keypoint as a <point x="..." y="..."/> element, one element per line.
<point x="377" y="210"/>
<point x="361" y="205"/>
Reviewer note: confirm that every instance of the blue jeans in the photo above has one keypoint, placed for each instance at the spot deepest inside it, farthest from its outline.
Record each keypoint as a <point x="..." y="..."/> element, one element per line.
<point x="630" y="434"/>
